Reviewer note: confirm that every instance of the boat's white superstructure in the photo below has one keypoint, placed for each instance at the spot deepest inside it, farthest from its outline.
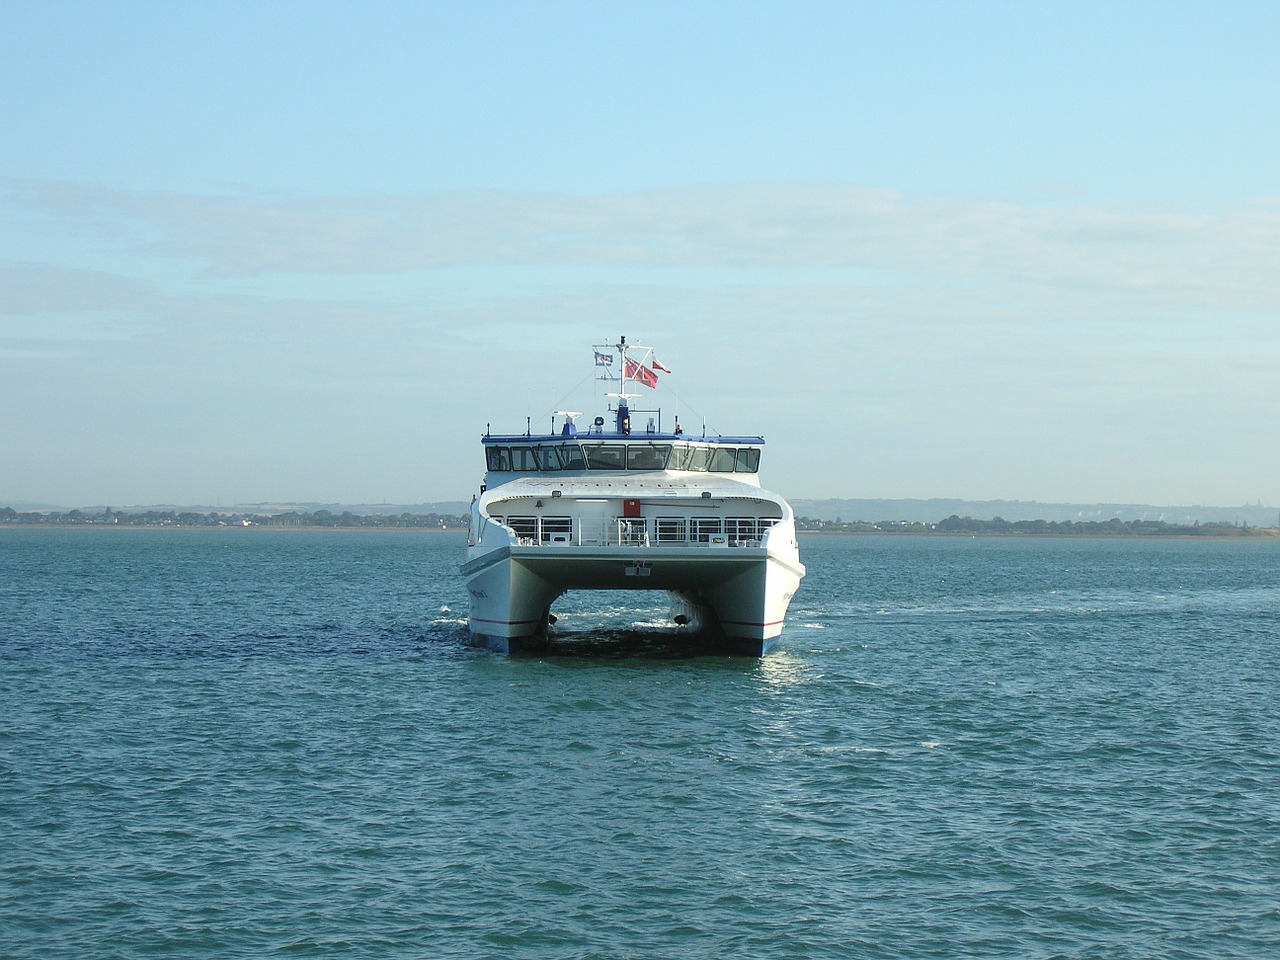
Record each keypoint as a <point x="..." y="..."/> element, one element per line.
<point x="610" y="507"/>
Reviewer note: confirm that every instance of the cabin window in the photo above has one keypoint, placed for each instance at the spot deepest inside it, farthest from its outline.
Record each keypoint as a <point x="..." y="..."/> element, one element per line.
<point x="557" y="529"/>
<point x="526" y="528"/>
<point x="605" y="456"/>
<point x="669" y="529"/>
<point x="704" y="528"/>
<point x="499" y="458"/>
<point x="632" y="530"/>
<point x="749" y="460"/>
<point x="523" y="460"/>
<point x="571" y="457"/>
<point x="740" y="528"/>
<point x="722" y="459"/>
<point x="648" y="456"/>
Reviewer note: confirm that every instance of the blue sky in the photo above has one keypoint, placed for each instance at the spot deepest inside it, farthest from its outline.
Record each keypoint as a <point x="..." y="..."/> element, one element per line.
<point x="307" y="251"/>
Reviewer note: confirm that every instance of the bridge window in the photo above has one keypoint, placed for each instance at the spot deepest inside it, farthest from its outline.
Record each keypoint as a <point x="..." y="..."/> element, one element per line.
<point x="498" y="458"/>
<point x="748" y="460"/>
<point x="722" y="459"/>
<point x="648" y="456"/>
<point x="523" y="460"/>
<point x="571" y="457"/>
<point x="694" y="458"/>
<point x="548" y="458"/>
<point x="605" y="456"/>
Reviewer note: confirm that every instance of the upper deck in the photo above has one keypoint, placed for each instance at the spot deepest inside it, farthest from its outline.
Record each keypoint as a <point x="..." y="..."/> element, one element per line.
<point x="611" y="445"/>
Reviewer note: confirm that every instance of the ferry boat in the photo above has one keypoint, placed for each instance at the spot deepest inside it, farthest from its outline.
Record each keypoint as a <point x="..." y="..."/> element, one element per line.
<point x="605" y="505"/>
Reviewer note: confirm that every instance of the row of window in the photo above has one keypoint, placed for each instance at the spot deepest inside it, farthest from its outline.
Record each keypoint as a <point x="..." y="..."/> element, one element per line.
<point x="542" y="529"/>
<point x="699" y="458"/>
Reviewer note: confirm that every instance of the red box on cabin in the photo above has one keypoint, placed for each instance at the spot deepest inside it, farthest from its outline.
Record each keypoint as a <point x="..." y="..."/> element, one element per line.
<point x="631" y="508"/>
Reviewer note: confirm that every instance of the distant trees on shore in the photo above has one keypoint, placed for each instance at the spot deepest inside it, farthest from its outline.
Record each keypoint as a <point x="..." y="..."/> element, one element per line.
<point x="291" y="518"/>
<point x="1063" y="528"/>
<point x="326" y="519"/>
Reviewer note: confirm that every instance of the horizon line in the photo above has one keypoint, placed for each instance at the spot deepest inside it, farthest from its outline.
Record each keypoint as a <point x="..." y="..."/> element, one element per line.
<point x="42" y="506"/>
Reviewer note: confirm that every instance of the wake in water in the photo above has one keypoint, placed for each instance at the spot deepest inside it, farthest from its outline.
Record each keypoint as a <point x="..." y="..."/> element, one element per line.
<point x="626" y="644"/>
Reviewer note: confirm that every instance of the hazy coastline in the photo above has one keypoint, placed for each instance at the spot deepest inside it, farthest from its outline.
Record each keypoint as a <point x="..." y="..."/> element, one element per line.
<point x="405" y="521"/>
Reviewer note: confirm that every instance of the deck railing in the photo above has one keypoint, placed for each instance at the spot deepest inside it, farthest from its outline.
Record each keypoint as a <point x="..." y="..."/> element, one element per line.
<point x="539" y="530"/>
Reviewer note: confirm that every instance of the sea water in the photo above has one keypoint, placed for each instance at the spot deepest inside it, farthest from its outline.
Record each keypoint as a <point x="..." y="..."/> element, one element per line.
<point x="244" y="743"/>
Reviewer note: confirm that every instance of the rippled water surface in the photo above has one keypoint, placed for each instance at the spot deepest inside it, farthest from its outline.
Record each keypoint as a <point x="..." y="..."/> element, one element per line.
<point x="254" y="744"/>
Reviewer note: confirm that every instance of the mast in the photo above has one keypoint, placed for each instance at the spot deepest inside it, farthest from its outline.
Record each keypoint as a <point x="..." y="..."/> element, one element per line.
<point x="623" y="418"/>
<point x="625" y="375"/>
<point x="633" y="368"/>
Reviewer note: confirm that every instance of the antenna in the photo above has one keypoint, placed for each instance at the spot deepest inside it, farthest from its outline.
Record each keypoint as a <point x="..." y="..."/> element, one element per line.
<point x="570" y="422"/>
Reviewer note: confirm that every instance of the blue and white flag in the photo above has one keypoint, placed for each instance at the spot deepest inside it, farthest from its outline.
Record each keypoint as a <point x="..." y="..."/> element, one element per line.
<point x="603" y="359"/>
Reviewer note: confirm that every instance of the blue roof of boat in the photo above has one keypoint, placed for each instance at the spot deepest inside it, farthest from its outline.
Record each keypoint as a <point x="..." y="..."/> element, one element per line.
<point x="525" y="438"/>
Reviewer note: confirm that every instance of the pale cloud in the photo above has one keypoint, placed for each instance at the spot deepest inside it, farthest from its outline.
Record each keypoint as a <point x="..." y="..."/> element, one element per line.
<point x="944" y="345"/>
<point x="1226" y="258"/>
<point x="41" y="289"/>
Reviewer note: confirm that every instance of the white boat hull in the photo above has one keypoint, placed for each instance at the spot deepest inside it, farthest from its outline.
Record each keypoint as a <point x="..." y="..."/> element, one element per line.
<point x="746" y="590"/>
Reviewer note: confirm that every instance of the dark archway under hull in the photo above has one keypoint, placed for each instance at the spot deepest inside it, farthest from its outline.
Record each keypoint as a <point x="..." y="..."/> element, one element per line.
<point x="695" y="631"/>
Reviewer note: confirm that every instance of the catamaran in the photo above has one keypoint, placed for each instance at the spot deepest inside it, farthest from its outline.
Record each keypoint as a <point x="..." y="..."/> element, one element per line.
<point x="611" y="506"/>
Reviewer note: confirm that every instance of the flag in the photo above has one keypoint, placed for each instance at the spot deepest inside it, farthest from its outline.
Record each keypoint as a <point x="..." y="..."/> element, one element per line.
<point x="603" y="359"/>
<point x="640" y="373"/>
<point x="659" y="365"/>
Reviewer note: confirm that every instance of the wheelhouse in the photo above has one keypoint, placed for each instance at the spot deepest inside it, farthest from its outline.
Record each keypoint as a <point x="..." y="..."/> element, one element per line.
<point x="505" y="455"/>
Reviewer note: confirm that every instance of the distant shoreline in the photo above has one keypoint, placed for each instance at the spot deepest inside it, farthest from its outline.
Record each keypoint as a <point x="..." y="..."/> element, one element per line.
<point x="1252" y="533"/>
<point x="442" y="522"/>
<point x="1259" y="534"/>
<point x="229" y="528"/>
<point x="321" y="519"/>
